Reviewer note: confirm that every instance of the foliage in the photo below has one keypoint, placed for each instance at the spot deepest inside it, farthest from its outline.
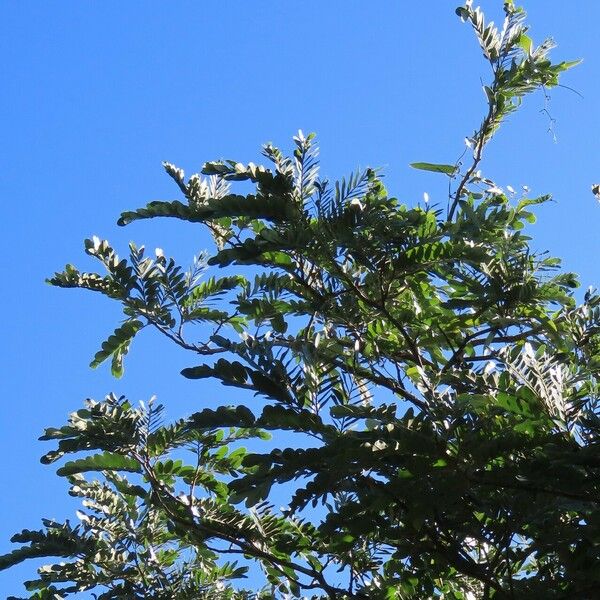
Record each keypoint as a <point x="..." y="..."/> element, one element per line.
<point x="439" y="377"/>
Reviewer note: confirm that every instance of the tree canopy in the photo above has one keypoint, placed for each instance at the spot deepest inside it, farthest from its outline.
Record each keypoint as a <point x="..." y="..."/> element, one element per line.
<point x="429" y="384"/>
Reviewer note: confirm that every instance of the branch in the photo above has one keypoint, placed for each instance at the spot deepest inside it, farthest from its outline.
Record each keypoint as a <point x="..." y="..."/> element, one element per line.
<point x="246" y="547"/>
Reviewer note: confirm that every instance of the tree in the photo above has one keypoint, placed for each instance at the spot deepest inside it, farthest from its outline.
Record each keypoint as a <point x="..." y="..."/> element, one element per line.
<point x="439" y="377"/>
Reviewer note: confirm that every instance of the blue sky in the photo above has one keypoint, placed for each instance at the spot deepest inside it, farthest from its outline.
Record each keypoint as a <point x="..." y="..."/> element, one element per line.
<point x="96" y="94"/>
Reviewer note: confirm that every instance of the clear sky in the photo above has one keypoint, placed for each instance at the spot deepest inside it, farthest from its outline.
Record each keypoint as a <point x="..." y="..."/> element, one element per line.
<point x="96" y="94"/>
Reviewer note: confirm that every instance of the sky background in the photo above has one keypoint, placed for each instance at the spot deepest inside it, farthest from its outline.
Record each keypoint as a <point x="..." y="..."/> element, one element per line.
<point x="96" y="94"/>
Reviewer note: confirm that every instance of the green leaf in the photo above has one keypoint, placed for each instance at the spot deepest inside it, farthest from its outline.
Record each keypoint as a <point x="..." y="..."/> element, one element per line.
<point x="199" y="372"/>
<point x="117" y="346"/>
<point x="515" y="404"/>
<point x="230" y="373"/>
<point x="281" y="417"/>
<point x="526" y="43"/>
<point x="462" y="12"/>
<point x="213" y="287"/>
<point x="224" y="416"/>
<point x="157" y="208"/>
<point x="532" y="201"/>
<point x="106" y="461"/>
<point x="435" y="168"/>
<point x="269" y="386"/>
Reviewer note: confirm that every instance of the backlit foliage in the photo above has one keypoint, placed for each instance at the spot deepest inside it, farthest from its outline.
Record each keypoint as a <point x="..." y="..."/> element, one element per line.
<point x="434" y="380"/>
